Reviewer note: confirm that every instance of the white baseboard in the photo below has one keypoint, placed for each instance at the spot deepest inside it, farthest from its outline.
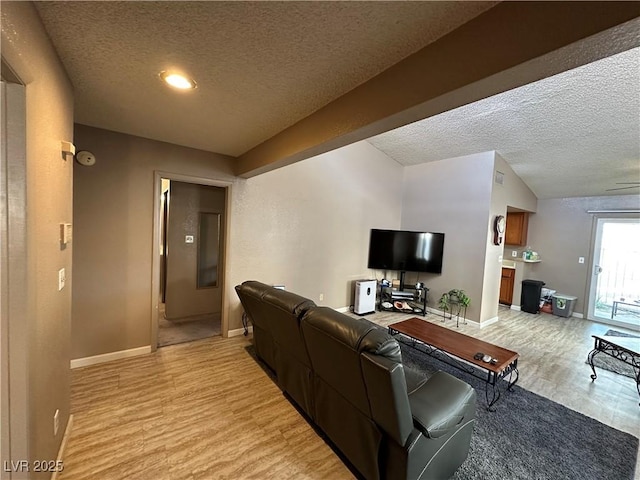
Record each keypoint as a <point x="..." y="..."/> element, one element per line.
<point x="238" y="331"/>
<point x="574" y="314"/>
<point x="63" y="446"/>
<point x="486" y="323"/>
<point x="109" y="357"/>
<point x="461" y="320"/>
<point x="342" y="309"/>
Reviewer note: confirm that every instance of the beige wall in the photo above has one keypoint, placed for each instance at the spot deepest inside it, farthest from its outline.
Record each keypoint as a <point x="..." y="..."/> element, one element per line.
<point x="113" y="223"/>
<point x="519" y="197"/>
<point x="561" y="231"/>
<point x="460" y="198"/>
<point x="305" y="226"/>
<point x="49" y="120"/>
<point x="452" y="196"/>
<point x="513" y="193"/>
<point x="183" y="298"/>
<point x="493" y="256"/>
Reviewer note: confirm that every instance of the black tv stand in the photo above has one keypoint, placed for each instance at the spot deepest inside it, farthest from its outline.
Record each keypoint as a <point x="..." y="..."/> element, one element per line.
<point x="415" y="299"/>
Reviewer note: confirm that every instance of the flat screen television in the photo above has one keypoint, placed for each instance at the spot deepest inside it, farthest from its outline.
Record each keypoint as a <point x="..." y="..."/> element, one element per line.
<point x="406" y="251"/>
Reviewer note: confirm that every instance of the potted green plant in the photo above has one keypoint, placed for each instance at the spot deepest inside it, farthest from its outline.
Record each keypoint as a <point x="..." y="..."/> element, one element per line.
<point x="454" y="296"/>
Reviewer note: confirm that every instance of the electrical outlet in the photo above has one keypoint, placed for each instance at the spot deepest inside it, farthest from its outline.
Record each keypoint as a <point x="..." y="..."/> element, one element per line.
<point x="321" y="296"/>
<point x="56" y="422"/>
<point x="61" y="279"/>
<point x="580" y="259"/>
<point x="514" y="253"/>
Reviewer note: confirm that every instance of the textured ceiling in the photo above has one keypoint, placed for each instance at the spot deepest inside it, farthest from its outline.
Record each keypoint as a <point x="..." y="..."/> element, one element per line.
<point x="263" y="66"/>
<point x="573" y="134"/>
<point x="260" y="66"/>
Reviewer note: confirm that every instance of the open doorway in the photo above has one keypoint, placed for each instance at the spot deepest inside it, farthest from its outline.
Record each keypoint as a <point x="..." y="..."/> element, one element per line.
<point x="615" y="281"/>
<point x="14" y="299"/>
<point x="191" y="240"/>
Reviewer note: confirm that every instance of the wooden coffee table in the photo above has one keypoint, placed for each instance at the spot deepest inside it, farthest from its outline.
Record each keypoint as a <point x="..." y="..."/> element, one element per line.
<point x="458" y="350"/>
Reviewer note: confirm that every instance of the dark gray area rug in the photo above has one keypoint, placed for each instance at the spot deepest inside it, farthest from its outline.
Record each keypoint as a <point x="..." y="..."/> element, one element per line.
<point x="531" y="437"/>
<point x="607" y="362"/>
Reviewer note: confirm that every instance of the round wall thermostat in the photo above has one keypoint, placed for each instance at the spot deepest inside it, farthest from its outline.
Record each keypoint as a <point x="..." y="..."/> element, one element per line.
<point x="83" y="157"/>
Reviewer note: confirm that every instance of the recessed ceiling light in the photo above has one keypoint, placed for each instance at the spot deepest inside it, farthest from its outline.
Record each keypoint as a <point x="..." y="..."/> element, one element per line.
<point x="178" y="81"/>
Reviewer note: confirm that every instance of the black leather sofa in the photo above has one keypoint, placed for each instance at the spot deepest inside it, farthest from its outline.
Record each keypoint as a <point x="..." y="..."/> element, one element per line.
<point x="347" y="376"/>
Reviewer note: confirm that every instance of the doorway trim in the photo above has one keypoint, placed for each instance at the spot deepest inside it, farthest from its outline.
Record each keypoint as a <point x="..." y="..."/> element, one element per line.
<point x="14" y="269"/>
<point x="589" y="286"/>
<point x="155" y="261"/>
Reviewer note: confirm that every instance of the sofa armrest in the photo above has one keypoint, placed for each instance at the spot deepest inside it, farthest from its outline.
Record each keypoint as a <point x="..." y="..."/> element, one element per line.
<point x="414" y="379"/>
<point x="441" y="403"/>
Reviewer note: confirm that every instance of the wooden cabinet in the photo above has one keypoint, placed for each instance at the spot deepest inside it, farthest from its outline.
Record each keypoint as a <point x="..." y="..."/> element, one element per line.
<point x="517" y="226"/>
<point x="506" y="286"/>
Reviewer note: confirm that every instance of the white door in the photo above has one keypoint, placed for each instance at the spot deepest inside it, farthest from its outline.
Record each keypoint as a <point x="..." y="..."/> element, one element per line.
<point x="615" y="281"/>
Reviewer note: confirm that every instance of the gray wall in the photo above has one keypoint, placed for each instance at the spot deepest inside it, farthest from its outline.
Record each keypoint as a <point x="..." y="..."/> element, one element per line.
<point x="561" y="231"/>
<point x="183" y="298"/>
<point x="43" y="341"/>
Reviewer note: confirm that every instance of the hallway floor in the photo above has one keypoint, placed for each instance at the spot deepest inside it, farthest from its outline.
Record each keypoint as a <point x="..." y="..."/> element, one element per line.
<point x="171" y="332"/>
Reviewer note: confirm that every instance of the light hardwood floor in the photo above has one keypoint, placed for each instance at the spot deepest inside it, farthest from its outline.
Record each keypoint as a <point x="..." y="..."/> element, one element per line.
<point x="206" y="410"/>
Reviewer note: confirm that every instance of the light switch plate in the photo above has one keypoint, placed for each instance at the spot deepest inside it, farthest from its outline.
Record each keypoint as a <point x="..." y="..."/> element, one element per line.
<point x="65" y="233"/>
<point x="514" y="253"/>
<point x="580" y="259"/>
<point x="61" y="279"/>
<point x="188" y="239"/>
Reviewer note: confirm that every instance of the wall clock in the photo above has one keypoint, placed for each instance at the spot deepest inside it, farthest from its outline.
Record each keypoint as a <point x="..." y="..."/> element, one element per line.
<point x="499" y="225"/>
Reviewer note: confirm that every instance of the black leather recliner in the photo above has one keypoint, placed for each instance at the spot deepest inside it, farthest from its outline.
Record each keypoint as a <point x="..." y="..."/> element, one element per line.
<point x="276" y="328"/>
<point x="283" y="311"/>
<point x="390" y="422"/>
<point x="250" y="294"/>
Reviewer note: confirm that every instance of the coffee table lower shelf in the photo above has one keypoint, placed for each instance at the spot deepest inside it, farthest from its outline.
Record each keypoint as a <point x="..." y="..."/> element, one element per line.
<point x="625" y="349"/>
<point x="421" y="337"/>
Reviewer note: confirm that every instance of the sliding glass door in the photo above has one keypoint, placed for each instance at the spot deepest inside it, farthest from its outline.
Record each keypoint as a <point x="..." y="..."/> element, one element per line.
<point x="615" y="281"/>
